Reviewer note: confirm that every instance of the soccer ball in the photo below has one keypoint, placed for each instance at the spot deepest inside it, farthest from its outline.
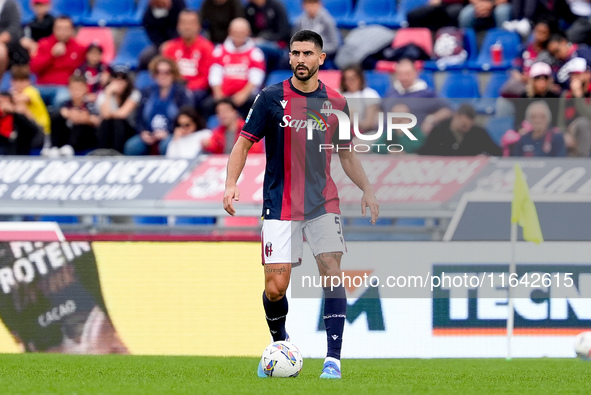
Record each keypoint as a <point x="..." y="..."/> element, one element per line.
<point x="583" y="345"/>
<point x="282" y="359"/>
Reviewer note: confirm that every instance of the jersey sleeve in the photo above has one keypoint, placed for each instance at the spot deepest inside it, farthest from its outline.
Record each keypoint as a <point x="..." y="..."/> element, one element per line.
<point x="336" y="138"/>
<point x="256" y="120"/>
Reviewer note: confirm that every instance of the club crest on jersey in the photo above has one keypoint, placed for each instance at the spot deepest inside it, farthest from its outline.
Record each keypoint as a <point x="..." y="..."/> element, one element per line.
<point x="268" y="249"/>
<point x="283" y="103"/>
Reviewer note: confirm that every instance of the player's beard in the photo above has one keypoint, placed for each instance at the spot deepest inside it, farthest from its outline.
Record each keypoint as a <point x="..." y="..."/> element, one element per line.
<point x="306" y="77"/>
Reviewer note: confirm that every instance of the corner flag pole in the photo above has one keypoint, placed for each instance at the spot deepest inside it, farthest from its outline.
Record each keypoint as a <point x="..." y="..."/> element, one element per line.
<point x="510" y="308"/>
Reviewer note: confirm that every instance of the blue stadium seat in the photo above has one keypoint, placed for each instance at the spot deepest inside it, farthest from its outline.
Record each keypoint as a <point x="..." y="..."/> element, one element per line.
<point x="404" y="6"/>
<point x="150" y="220"/>
<point x="277" y="76"/>
<point x="497" y="126"/>
<point x="212" y="122"/>
<point x="110" y="13"/>
<point x="75" y="9"/>
<point x="339" y="9"/>
<point x="143" y="79"/>
<point x="379" y="81"/>
<point x="294" y="9"/>
<point x="133" y="42"/>
<point x="25" y="9"/>
<point x="136" y="18"/>
<point x="511" y="43"/>
<point x="429" y="78"/>
<point x="368" y="12"/>
<point x="194" y="4"/>
<point x="471" y="48"/>
<point x="486" y="105"/>
<point x="415" y="222"/>
<point x="194" y="221"/>
<point x="462" y="87"/>
<point x="60" y="219"/>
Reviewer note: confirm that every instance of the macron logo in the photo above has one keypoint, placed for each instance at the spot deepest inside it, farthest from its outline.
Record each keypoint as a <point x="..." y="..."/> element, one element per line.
<point x="335" y="337"/>
<point x="283" y="103"/>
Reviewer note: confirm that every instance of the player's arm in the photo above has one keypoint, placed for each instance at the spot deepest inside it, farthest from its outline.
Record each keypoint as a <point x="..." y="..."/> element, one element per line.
<point x="354" y="170"/>
<point x="235" y="165"/>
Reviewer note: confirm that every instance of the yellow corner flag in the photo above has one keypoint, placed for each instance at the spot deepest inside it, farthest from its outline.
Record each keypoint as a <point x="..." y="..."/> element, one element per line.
<point x="523" y="210"/>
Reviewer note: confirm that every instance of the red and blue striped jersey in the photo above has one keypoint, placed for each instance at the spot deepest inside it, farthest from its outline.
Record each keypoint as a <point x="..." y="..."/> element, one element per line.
<point x="297" y="182"/>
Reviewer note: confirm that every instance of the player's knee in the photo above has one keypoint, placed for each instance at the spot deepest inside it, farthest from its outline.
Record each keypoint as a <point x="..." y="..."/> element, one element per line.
<point x="275" y="291"/>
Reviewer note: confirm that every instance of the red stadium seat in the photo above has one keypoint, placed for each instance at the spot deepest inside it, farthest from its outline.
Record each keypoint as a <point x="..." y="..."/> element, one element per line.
<point x="331" y="78"/>
<point x="103" y="35"/>
<point x="421" y="36"/>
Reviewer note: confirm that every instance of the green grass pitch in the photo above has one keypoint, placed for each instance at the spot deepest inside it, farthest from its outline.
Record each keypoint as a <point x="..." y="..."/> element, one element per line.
<point x="67" y="374"/>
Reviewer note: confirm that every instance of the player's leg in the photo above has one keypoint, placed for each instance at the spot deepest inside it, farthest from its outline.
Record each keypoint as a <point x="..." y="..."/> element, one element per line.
<point x="325" y="237"/>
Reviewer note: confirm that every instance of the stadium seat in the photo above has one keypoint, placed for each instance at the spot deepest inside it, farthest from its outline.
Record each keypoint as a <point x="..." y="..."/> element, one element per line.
<point x="103" y="35"/>
<point x="150" y="220"/>
<point x="460" y="86"/>
<point x="486" y="105"/>
<point x="110" y="13"/>
<point x="338" y="9"/>
<point x="511" y="44"/>
<point x="133" y="42"/>
<point x="471" y="48"/>
<point x="368" y="12"/>
<point x="294" y="9"/>
<point x="194" y="4"/>
<point x="75" y="9"/>
<point x="136" y="18"/>
<point x="194" y="220"/>
<point x="331" y="78"/>
<point x="212" y="122"/>
<point x="497" y="126"/>
<point x="429" y="78"/>
<point x="60" y="219"/>
<point x="419" y="36"/>
<point x="378" y="81"/>
<point x="25" y="9"/>
<point x="143" y="79"/>
<point x="277" y="76"/>
<point x="404" y="6"/>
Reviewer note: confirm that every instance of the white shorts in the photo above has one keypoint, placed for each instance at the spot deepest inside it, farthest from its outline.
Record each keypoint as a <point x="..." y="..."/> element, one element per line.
<point x="283" y="241"/>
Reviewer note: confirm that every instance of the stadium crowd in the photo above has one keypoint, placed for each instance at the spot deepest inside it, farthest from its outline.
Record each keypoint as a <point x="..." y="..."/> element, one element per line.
<point x="204" y="68"/>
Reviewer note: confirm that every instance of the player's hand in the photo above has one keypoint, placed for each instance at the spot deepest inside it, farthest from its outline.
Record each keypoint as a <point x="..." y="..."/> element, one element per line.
<point x="369" y="200"/>
<point x="231" y="194"/>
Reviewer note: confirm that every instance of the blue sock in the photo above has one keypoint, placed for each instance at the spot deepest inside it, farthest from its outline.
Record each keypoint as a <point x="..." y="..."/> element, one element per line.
<point x="275" y="313"/>
<point x="335" y="312"/>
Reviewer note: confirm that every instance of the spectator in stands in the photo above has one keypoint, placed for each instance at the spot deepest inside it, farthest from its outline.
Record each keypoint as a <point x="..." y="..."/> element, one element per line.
<point x="411" y="90"/>
<point x="160" y="21"/>
<point x="158" y="108"/>
<point x="57" y="57"/>
<point x="575" y="111"/>
<point x="11" y="32"/>
<point x="40" y="27"/>
<point x="542" y="32"/>
<point x="217" y="15"/>
<point x="539" y="85"/>
<point x="484" y="14"/>
<point x="27" y="99"/>
<point x="73" y="127"/>
<point x="17" y="132"/>
<point x="399" y="137"/>
<point x="225" y="135"/>
<point x="94" y="70"/>
<point x="436" y="14"/>
<point x="562" y="51"/>
<point x="459" y="136"/>
<point x="193" y="54"/>
<point x="541" y="140"/>
<point x="116" y="106"/>
<point x="271" y="30"/>
<point x="362" y="99"/>
<point x="317" y="18"/>
<point x="238" y="69"/>
<point x="188" y="136"/>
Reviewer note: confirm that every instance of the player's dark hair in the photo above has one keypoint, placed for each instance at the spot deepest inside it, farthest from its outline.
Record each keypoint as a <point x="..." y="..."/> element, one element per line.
<point x="193" y="114"/>
<point x="64" y="17"/>
<point x="20" y="72"/>
<point x="467" y="111"/>
<point x="358" y="72"/>
<point x="307" y="35"/>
